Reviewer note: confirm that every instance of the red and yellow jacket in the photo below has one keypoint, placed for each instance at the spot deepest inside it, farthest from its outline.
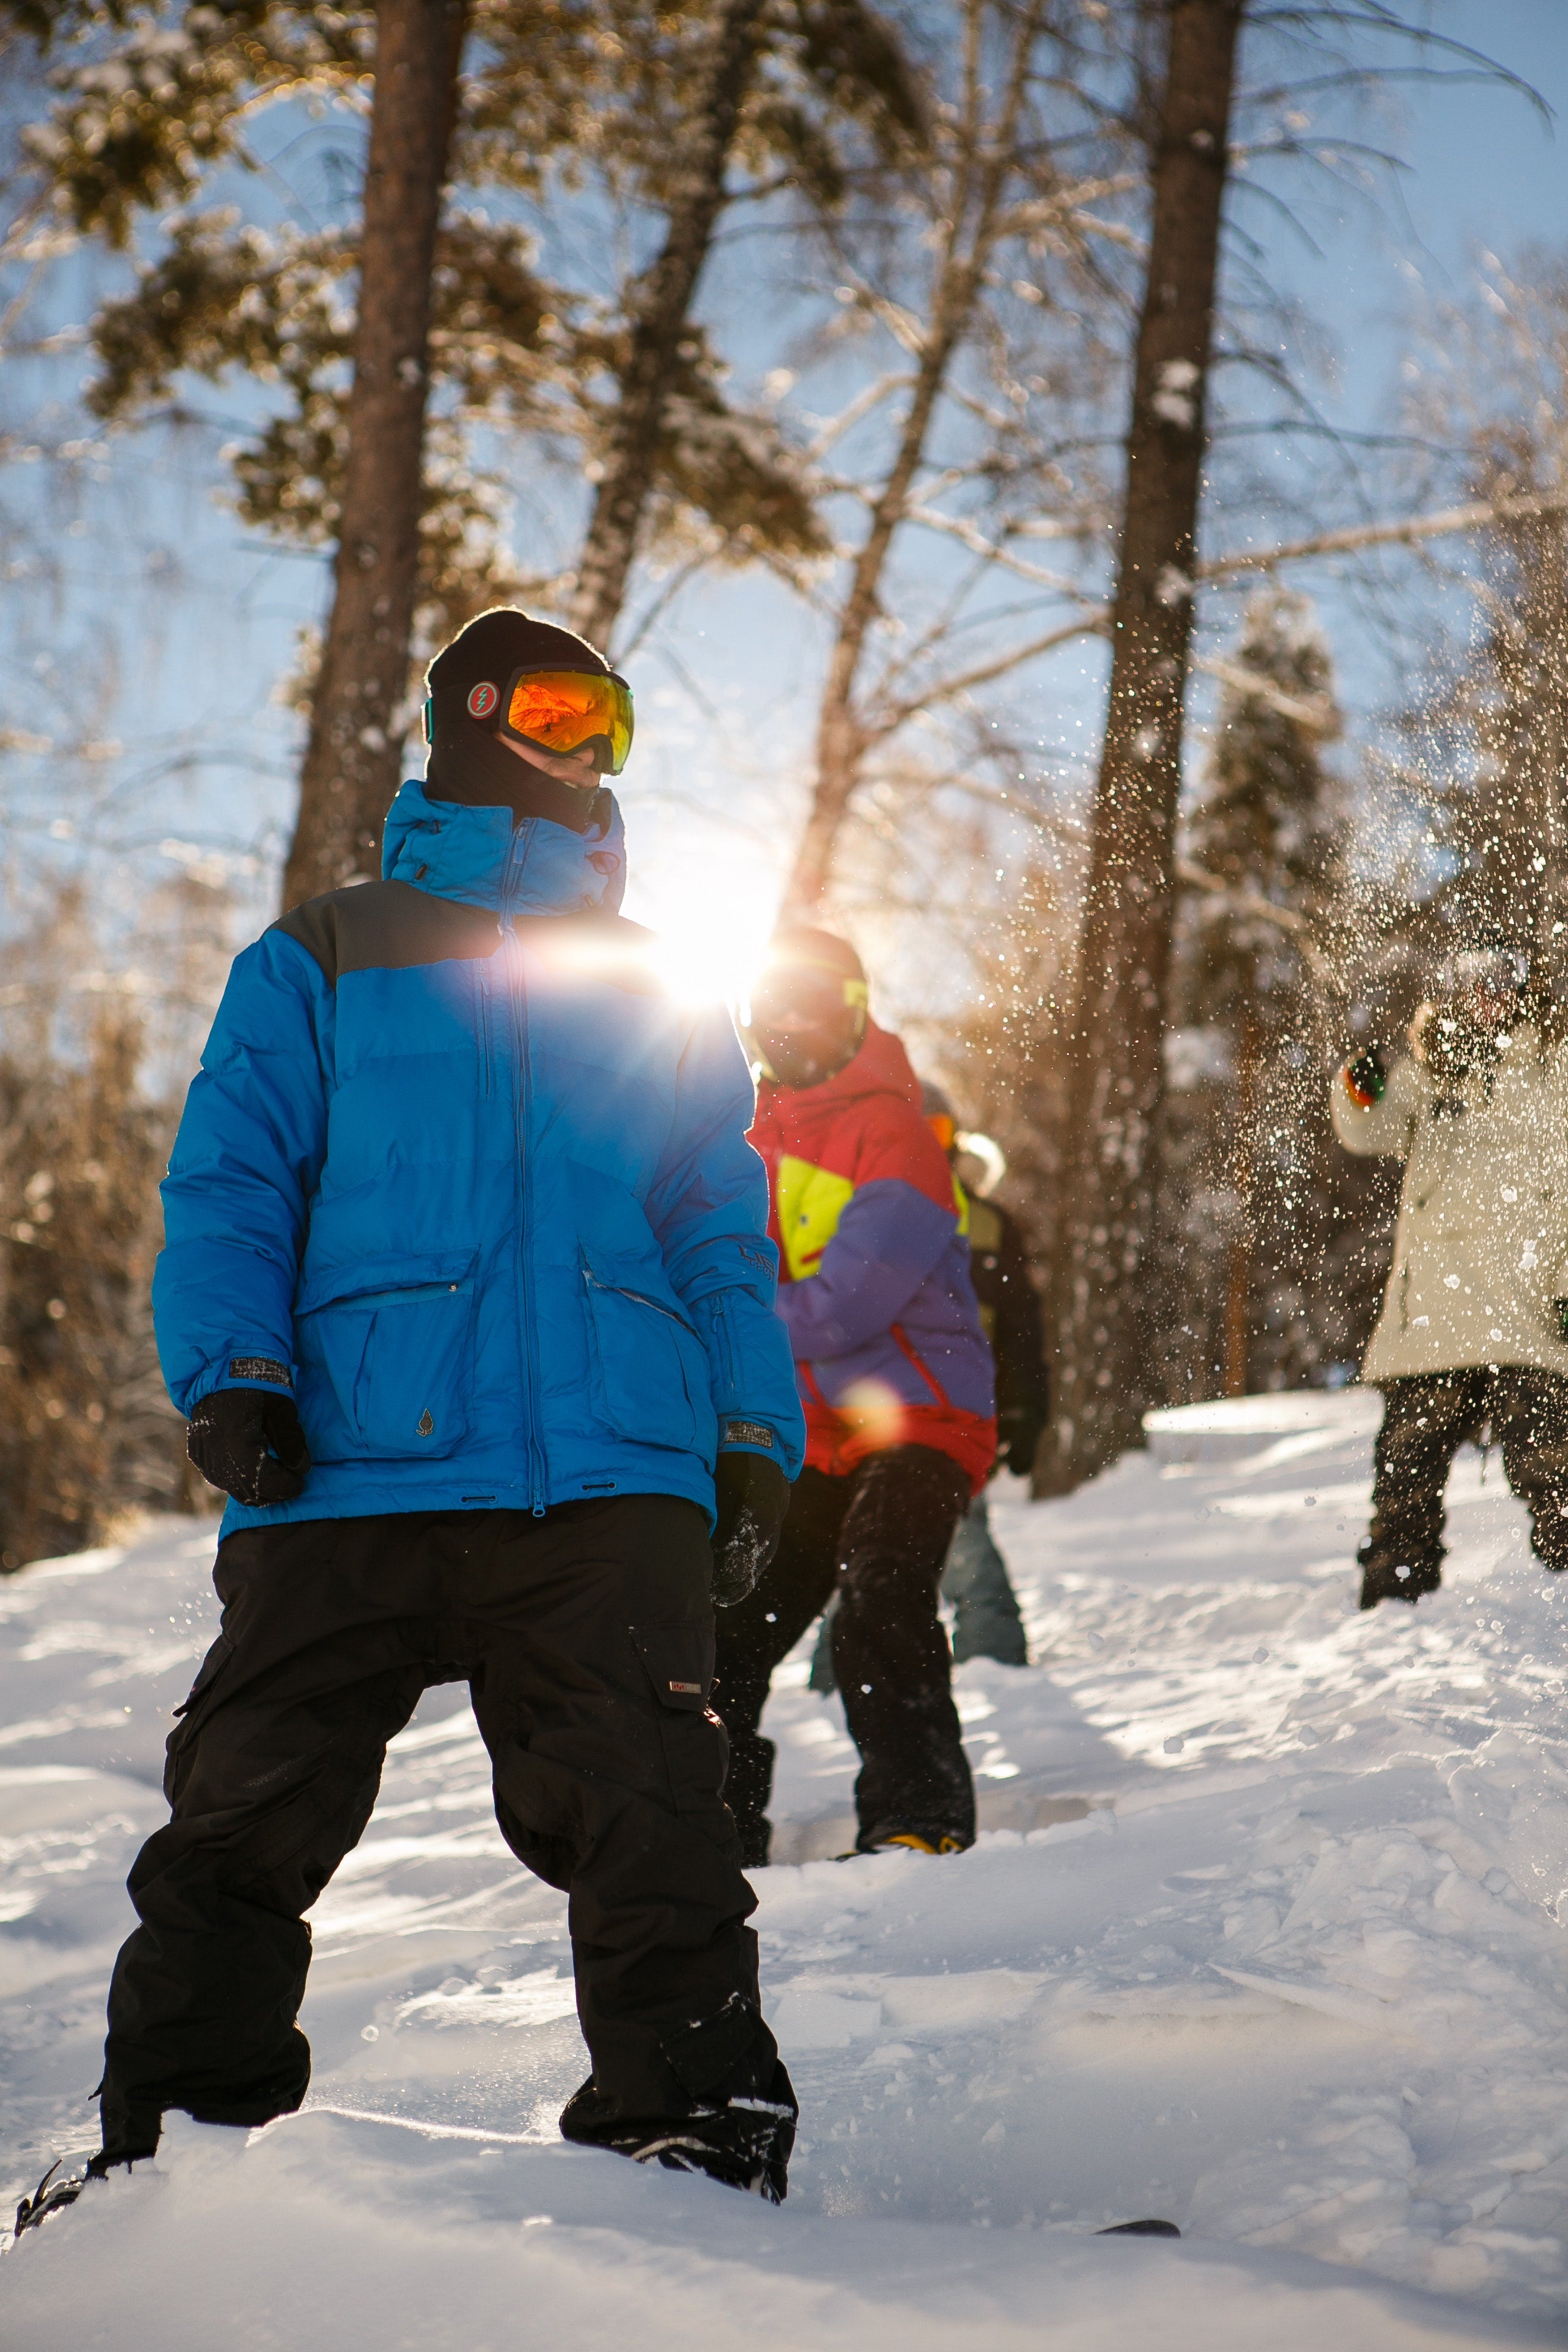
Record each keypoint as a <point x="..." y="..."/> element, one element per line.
<point x="874" y="1288"/>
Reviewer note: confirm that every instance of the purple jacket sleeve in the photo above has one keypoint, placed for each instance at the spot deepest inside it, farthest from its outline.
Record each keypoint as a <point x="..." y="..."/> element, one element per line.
<point x="888" y="1239"/>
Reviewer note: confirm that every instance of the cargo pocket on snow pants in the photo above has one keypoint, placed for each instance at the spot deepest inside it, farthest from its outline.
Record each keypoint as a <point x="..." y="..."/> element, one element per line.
<point x="678" y="1662"/>
<point x="189" y="1714"/>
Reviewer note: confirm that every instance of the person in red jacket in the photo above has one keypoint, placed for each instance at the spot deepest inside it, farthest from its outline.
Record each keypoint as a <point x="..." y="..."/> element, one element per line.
<point x="897" y="1382"/>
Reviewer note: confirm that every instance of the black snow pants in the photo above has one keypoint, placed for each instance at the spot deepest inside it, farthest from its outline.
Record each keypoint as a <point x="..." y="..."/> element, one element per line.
<point x="587" y="1638"/>
<point x="881" y="1534"/>
<point x="1425" y="1423"/>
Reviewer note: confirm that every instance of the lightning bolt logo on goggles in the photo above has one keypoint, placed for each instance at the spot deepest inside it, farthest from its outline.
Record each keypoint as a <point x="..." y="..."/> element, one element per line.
<point x="563" y="711"/>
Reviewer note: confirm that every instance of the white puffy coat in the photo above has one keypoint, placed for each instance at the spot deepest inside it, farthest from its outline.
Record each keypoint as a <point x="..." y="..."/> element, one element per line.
<point x="1481" y="1252"/>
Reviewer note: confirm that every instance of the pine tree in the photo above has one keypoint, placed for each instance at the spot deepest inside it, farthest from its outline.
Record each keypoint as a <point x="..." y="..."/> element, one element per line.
<point x="1248" y="1160"/>
<point x="742" y="108"/>
<point x="155" y="105"/>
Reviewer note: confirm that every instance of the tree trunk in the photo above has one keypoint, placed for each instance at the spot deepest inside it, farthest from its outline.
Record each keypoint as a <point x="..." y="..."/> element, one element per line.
<point x="1117" y="1071"/>
<point x="351" y="766"/>
<point x="661" y="313"/>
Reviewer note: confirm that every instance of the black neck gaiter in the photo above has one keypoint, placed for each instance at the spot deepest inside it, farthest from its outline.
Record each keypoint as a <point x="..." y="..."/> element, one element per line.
<point x="469" y="765"/>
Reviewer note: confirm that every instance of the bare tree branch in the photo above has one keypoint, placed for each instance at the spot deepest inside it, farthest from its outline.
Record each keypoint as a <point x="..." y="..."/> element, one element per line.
<point x="1479" y="514"/>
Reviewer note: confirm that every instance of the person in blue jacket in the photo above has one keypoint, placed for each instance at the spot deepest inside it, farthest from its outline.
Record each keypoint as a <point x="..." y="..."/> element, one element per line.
<point x="468" y="1295"/>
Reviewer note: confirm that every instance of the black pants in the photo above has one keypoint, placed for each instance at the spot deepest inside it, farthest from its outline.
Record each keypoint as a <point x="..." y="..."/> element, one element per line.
<point x="587" y="1638"/>
<point x="1425" y="1423"/>
<point x="881" y="1534"/>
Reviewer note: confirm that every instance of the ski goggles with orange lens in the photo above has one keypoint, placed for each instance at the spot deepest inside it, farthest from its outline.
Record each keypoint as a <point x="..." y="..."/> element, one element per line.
<point x="564" y="710"/>
<point x="945" y="1127"/>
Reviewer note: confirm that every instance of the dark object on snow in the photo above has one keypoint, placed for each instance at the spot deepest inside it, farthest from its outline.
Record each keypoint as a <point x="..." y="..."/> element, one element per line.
<point x="740" y="2128"/>
<point x="880" y="1536"/>
<point x="585" y="1636"/>
<point x="1425" y="1423"/>
<point x="1139" y="2230"/>
<point x="45" y="2201"/>
<point x="1384" y="1577"/>
<point x="752" y="1495"/>
<point x="249" y="1442"/>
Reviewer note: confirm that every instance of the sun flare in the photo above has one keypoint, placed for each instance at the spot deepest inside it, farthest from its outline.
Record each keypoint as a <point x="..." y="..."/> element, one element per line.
<point x="711" y="934"/>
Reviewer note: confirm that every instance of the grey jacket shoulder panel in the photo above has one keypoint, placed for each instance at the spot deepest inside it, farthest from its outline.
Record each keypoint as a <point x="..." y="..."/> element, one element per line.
<point x="387" y="927"/>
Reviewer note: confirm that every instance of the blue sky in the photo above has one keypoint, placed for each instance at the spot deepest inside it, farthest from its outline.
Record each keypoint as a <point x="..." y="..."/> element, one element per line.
<point x="718" y="779"/>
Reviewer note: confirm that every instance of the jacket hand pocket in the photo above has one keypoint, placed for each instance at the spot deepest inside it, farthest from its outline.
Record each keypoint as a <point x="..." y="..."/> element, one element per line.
<point x="385" y="1355"/>
<point x="649" y="1375"/>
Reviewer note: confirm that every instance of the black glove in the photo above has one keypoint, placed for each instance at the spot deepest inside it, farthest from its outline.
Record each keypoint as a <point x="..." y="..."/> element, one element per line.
<point x="752" y="1496"/>
<point x="1366" y="1077"/>
<point x="249" y="1442"/>
<point x="1019" y="1433"/>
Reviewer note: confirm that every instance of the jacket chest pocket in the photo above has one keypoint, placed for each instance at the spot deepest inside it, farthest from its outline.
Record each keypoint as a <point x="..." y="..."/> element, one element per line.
<point x="649" y="1375"/>
<point x="386" y="1366"/>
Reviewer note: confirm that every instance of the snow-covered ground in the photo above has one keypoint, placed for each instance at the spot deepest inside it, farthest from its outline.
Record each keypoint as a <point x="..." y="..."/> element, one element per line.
<point x="1262" y="1933"/>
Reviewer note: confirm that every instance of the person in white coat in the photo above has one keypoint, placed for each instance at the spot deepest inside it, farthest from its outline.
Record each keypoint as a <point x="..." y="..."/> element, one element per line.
<point x="1474" y="1328"/>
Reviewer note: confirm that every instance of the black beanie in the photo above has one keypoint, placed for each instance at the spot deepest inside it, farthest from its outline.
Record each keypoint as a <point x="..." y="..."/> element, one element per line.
<point x="501" y="641"/>
<point x="802" y="945"/>
<point x="469" y="762"/>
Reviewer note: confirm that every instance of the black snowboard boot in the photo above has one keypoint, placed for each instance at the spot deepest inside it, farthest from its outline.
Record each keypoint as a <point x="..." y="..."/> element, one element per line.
<point x="745" y="2143"/>
<point x="732" y="2108"/>
<point x="46" y="2200"/>
<point x="1386" y="1576"/>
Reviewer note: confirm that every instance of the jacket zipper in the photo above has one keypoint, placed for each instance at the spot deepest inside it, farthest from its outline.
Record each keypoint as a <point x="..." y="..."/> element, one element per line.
<point x="522" y="1161"/>
<point x="486" y="1023"/>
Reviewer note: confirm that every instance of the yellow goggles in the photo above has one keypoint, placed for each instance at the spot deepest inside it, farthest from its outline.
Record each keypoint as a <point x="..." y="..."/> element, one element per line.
<point x="562" y="709"/>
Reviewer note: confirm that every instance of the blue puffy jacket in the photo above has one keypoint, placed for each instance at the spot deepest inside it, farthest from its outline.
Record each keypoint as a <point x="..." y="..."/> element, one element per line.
<point x="459" y="1171"/>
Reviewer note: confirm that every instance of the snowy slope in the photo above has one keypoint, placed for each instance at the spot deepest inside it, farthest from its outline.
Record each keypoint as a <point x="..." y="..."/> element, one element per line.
<point x="1261" y="1933"/>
